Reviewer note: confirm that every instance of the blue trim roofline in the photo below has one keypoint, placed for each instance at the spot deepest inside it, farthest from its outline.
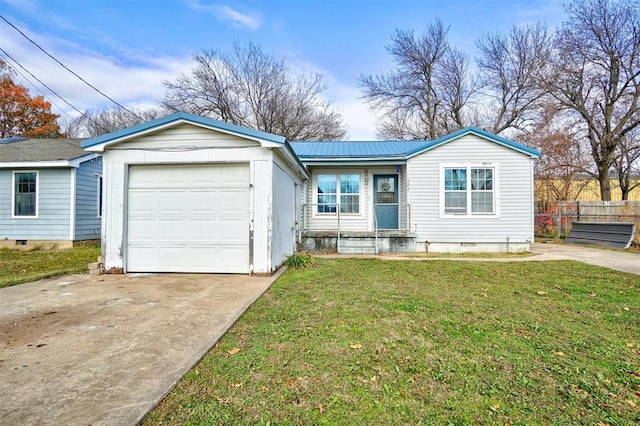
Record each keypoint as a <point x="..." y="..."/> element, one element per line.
<point x="183" y="116"/>
<point x="478" y="132"/>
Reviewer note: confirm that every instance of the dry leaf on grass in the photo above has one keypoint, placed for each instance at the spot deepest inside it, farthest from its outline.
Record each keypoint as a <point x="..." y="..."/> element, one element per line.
<point x="355" y="346"/>
<point x="541" y="293"/>
<point x="631" y="403"/>
<point x="559" y="353"/>
<point x="233" y="351"/>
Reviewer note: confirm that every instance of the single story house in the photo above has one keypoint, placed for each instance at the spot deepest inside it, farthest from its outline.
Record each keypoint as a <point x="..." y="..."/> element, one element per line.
<point x="184" y="193"/>
<point x="49" y="193"/>
<point x="468" y="191"/>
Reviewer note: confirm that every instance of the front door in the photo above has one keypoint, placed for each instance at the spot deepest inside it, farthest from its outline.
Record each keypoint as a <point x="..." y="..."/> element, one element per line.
<point x="385" y="199"/>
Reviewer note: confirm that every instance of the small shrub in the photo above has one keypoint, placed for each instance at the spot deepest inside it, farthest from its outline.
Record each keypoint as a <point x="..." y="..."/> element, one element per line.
<point x="300" y="260"/>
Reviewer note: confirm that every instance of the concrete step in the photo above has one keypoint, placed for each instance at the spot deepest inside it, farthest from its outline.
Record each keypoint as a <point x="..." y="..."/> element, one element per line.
<point x="357" y="246"/>
<point x="356" y="250"/>
<point x="358" y="242"/>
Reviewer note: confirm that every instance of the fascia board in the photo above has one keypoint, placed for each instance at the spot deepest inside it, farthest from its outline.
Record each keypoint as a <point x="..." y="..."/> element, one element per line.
<point x="480" y="133"/>
<point x="98" y="144"/>
<point x="35" y="164"/>
<point x="352" y="162"/>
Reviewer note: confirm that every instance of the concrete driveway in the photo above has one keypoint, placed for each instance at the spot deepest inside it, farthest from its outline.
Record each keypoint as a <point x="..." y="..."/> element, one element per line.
<point x="614" y="259"/>
<point x="104" y="350"/>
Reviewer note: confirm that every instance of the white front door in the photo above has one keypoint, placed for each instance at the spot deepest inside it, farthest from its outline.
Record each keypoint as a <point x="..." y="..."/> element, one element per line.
<point x="188" y="218"/>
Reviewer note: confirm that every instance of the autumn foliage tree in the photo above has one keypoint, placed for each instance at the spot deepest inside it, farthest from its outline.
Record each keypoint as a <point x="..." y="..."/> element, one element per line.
<point x="22" y="114"/>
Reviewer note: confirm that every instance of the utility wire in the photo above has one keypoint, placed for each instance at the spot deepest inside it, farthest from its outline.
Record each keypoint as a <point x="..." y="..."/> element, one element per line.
<point x="67" y="68"/>
<point x="6" y="60"/>
<point x="4" y="52"/>
<point x="44" y="84"/>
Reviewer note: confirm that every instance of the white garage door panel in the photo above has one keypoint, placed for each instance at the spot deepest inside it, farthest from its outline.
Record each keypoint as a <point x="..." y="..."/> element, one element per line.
<point x="142" y="201"/>
<point x="191" y="218"/>
<point x="173" y="202"/>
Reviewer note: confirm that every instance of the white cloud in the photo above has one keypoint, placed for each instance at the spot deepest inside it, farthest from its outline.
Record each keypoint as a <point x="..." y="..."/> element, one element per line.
<point x="137" y="84"/>
<point x="344" y="96"/>
<point x="359" y="119"/>
<point x="248" y="19"/>
<point x="140" y="83"/>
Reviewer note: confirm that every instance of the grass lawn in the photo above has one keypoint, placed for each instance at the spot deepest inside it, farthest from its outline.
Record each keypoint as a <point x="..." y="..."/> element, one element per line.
<point x="20" y="266"/>
<point x="364" y="341"/>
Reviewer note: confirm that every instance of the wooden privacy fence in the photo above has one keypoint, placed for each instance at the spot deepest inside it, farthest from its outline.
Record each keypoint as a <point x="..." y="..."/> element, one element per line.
<point x="555" y="219"/>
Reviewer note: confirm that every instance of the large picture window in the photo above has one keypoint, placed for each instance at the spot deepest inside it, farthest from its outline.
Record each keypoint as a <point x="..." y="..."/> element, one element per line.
<point x="342" y="189"/>
<point x="469" y="190"/>
<point x="25" y="199"/>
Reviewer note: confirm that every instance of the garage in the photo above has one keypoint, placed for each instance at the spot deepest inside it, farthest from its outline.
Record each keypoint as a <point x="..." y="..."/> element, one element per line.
<point x="191" y="218"/>
<point x="184" y="193"/>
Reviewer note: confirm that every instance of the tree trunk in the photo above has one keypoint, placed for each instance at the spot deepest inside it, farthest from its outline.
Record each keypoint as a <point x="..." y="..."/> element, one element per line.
<point x="625" y="194"/>
<point x="605" y="183"/>
<point x="625" y="186"/>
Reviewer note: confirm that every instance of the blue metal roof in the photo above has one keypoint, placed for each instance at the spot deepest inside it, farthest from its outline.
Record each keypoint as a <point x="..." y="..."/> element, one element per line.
<point x="348" y="150"/>
<point x="183" y="117"/>
<point x="353" y="150"/>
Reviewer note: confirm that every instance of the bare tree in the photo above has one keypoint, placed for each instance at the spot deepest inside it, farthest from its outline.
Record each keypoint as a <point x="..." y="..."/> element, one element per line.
<point x="99" y="122"/>
<point x="248" y="87"/>
<point x="426" y="95"/>
<point x="510" y="67"/>
<point x="560" y="170"/>
<point x="627" y="163"/>
<point x="597" y="76"/>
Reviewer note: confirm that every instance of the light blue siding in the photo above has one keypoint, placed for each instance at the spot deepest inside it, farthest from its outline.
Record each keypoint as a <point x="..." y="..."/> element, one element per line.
<point x="53" y="195"/>
<point x="87" y="218"/>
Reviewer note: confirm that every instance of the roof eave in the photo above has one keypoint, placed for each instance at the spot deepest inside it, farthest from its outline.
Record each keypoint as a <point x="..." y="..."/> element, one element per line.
<point x="100" y="143"/>
<point x="293" y="160"/>
<point x="480" y="133"/>
<point x="371" y="161"/>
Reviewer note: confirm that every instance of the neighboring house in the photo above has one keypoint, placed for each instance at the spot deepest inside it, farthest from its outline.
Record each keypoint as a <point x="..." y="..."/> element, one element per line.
<point x="184" y="193"/>
<point x="49" y="193"/>
<point x="468" y="191"/>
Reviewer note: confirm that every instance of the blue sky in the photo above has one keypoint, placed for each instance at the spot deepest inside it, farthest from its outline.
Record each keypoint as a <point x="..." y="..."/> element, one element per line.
<point x="126" y="48"/>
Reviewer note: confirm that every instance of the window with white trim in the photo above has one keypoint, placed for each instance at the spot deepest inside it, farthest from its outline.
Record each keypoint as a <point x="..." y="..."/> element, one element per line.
<point x="334" y="189"/>
<point x="469" y="190"/>
<point x="25" y="197"/>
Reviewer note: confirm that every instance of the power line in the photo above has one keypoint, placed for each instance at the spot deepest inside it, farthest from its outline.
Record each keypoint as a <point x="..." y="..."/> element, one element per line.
<point x="41" y="82"/>
<point x="67" y="68"/>
<point x="7" y="55"/>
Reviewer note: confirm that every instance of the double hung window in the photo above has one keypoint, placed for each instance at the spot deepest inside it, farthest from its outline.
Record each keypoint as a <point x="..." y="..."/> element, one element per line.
<point x="469" y="190"/>
<point x="25" y="199"/>
<point x="338" y="189"/>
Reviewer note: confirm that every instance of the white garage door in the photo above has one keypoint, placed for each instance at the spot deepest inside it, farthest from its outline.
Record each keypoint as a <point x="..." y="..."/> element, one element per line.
<point x="188" y="218"/>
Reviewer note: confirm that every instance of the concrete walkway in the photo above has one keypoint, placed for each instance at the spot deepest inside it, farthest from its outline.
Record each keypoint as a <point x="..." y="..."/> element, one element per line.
<point x="614" y="259"/>
<point x="104" y="350"/>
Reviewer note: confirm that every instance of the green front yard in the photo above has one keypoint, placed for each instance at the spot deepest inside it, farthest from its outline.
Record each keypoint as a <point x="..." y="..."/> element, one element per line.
<point x="362" y="341"/>
<point x="17" y="266"/>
